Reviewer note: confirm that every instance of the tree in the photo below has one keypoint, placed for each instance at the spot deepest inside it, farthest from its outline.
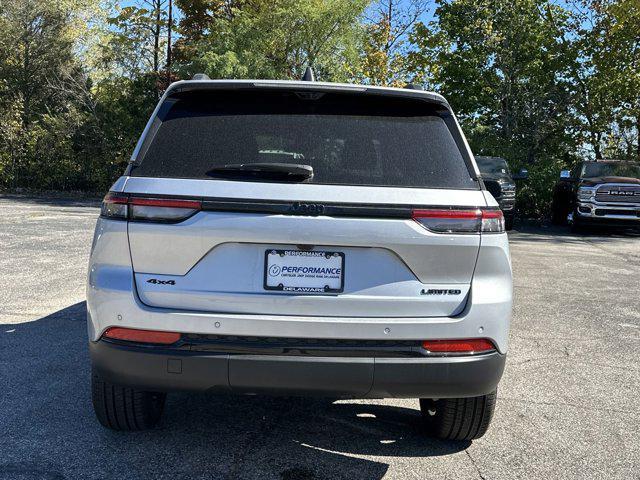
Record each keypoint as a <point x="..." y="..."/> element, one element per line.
<point x="616" y="60"/>
<point x="502" y="66"/>
<point x="278" y="39"/>
<point x="137" y="42"/>
<point x="386" y="46"/>
<point x="38" y="77"/>
<point x="36" y="53"/>
<point x="200" y="19"/>
<point x="603" y="37"/>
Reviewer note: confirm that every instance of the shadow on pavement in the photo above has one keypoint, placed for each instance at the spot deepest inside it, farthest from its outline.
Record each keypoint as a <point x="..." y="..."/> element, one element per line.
<point x="49" y="430"/>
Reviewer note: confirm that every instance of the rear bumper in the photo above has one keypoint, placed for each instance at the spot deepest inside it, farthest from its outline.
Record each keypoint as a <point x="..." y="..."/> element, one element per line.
<point x="151" y="368"/>
<point x="112" y="300"/>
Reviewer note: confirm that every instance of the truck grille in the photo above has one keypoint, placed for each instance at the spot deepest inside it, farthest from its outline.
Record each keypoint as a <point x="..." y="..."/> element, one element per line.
<point x="618" y="194"/>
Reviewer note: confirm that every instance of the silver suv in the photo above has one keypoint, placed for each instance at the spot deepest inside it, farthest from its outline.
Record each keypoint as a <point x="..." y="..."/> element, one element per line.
<point x="300" y="238"/>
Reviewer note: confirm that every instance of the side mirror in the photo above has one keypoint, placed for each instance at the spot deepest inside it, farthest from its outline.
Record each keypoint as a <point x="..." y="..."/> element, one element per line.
<point x="565" y="174"/>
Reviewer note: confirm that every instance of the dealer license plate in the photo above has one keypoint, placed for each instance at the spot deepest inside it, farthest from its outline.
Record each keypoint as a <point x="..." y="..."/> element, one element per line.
<point x="297" y="271"/>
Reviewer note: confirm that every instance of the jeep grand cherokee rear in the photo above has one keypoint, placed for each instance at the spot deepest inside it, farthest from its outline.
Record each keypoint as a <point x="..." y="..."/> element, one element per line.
<point x="300" y="238"/>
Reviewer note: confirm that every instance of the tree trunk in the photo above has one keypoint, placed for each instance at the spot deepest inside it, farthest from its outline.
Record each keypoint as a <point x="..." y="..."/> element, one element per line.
<point x="169" y="28"/>
<point x="156" y="38"/>
<point x="638" y="134"/>
<point x="25" y="74"/>
<point x="595" y="142"/>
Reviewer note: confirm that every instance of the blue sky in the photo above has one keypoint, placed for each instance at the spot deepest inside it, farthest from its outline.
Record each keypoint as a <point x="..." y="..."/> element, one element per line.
<point x="427" y="16"/>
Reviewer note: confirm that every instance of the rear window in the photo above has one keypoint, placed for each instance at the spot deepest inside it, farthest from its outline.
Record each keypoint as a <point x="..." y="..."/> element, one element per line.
<point x="347" y="139"/>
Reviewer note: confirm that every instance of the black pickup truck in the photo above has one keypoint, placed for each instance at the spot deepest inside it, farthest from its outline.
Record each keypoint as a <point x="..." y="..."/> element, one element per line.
<point x="499" y="182"/>
<point x="604" y="192"/>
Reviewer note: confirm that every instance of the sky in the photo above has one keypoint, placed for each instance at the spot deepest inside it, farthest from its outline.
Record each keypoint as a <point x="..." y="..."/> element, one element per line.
<point x="425" y="17"/>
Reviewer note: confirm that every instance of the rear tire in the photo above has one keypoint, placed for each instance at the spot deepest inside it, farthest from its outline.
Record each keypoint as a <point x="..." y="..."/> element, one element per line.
<point x="125" y="408"/>
<point x="458" y="418"/>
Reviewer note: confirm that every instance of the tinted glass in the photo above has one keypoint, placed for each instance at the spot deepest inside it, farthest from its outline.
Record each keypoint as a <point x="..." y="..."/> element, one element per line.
<point x="347" y="139"/>
<point x="619" y="169"/>
<point x="492" y="165"/>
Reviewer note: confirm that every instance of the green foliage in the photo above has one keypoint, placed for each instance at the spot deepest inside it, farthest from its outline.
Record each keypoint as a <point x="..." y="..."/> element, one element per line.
<point x="279" y="38"/>
<point x="39" y="75"/>
<point x="387" y="47"/>
<point x="57" y="129"/>
<point x="535" y="195"/>
<point x="137" y="43"/>
<point x="507" y="84"/>
<point x="200" y="19"/>
<point x="615" y="42"/>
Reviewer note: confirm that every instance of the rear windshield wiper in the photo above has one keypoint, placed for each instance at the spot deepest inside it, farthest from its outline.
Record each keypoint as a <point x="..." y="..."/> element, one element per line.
<point x="290" y="172"/>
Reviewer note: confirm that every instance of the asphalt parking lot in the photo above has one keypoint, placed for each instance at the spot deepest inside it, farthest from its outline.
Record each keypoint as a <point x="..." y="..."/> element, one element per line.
<point x="568" y="405"/>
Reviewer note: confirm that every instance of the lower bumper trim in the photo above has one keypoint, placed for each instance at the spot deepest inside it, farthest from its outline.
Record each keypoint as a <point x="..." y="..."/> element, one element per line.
<point x="607" y="214"/>
<point x="344" y="377"/>
<point x="622" y="222"/>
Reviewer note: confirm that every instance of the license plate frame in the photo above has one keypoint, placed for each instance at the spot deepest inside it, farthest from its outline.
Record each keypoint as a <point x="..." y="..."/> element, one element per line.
<point x="300" y="289"/>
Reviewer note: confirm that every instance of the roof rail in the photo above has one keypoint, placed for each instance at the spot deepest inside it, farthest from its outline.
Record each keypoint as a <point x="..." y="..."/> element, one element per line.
<point x="201" y="76"/>
<point x="308" y="75"/>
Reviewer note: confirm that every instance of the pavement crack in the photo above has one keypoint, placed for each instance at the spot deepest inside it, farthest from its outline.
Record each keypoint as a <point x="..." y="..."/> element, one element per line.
<point x="475" y="465"/>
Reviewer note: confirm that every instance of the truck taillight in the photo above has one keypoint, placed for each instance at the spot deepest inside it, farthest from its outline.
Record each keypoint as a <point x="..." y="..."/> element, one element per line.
<point x="169" y="210"/>
<point x="460" y="221"/>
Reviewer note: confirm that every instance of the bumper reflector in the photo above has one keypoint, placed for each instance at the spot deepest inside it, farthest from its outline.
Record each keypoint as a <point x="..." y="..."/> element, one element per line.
<point x="141" y="336"/>
<point x="464" y="346"/>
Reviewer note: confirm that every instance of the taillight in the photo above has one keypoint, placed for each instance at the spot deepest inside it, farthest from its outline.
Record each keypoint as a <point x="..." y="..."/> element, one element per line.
<point x="468" y="346"/>
<point x="141" y="336"/>
<point x="114" y="206"/>
<point x="492" y="221"/>
<point x="168" y="210"/>
<point x="162" y="209"/>
<point x="460" y="221"/>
